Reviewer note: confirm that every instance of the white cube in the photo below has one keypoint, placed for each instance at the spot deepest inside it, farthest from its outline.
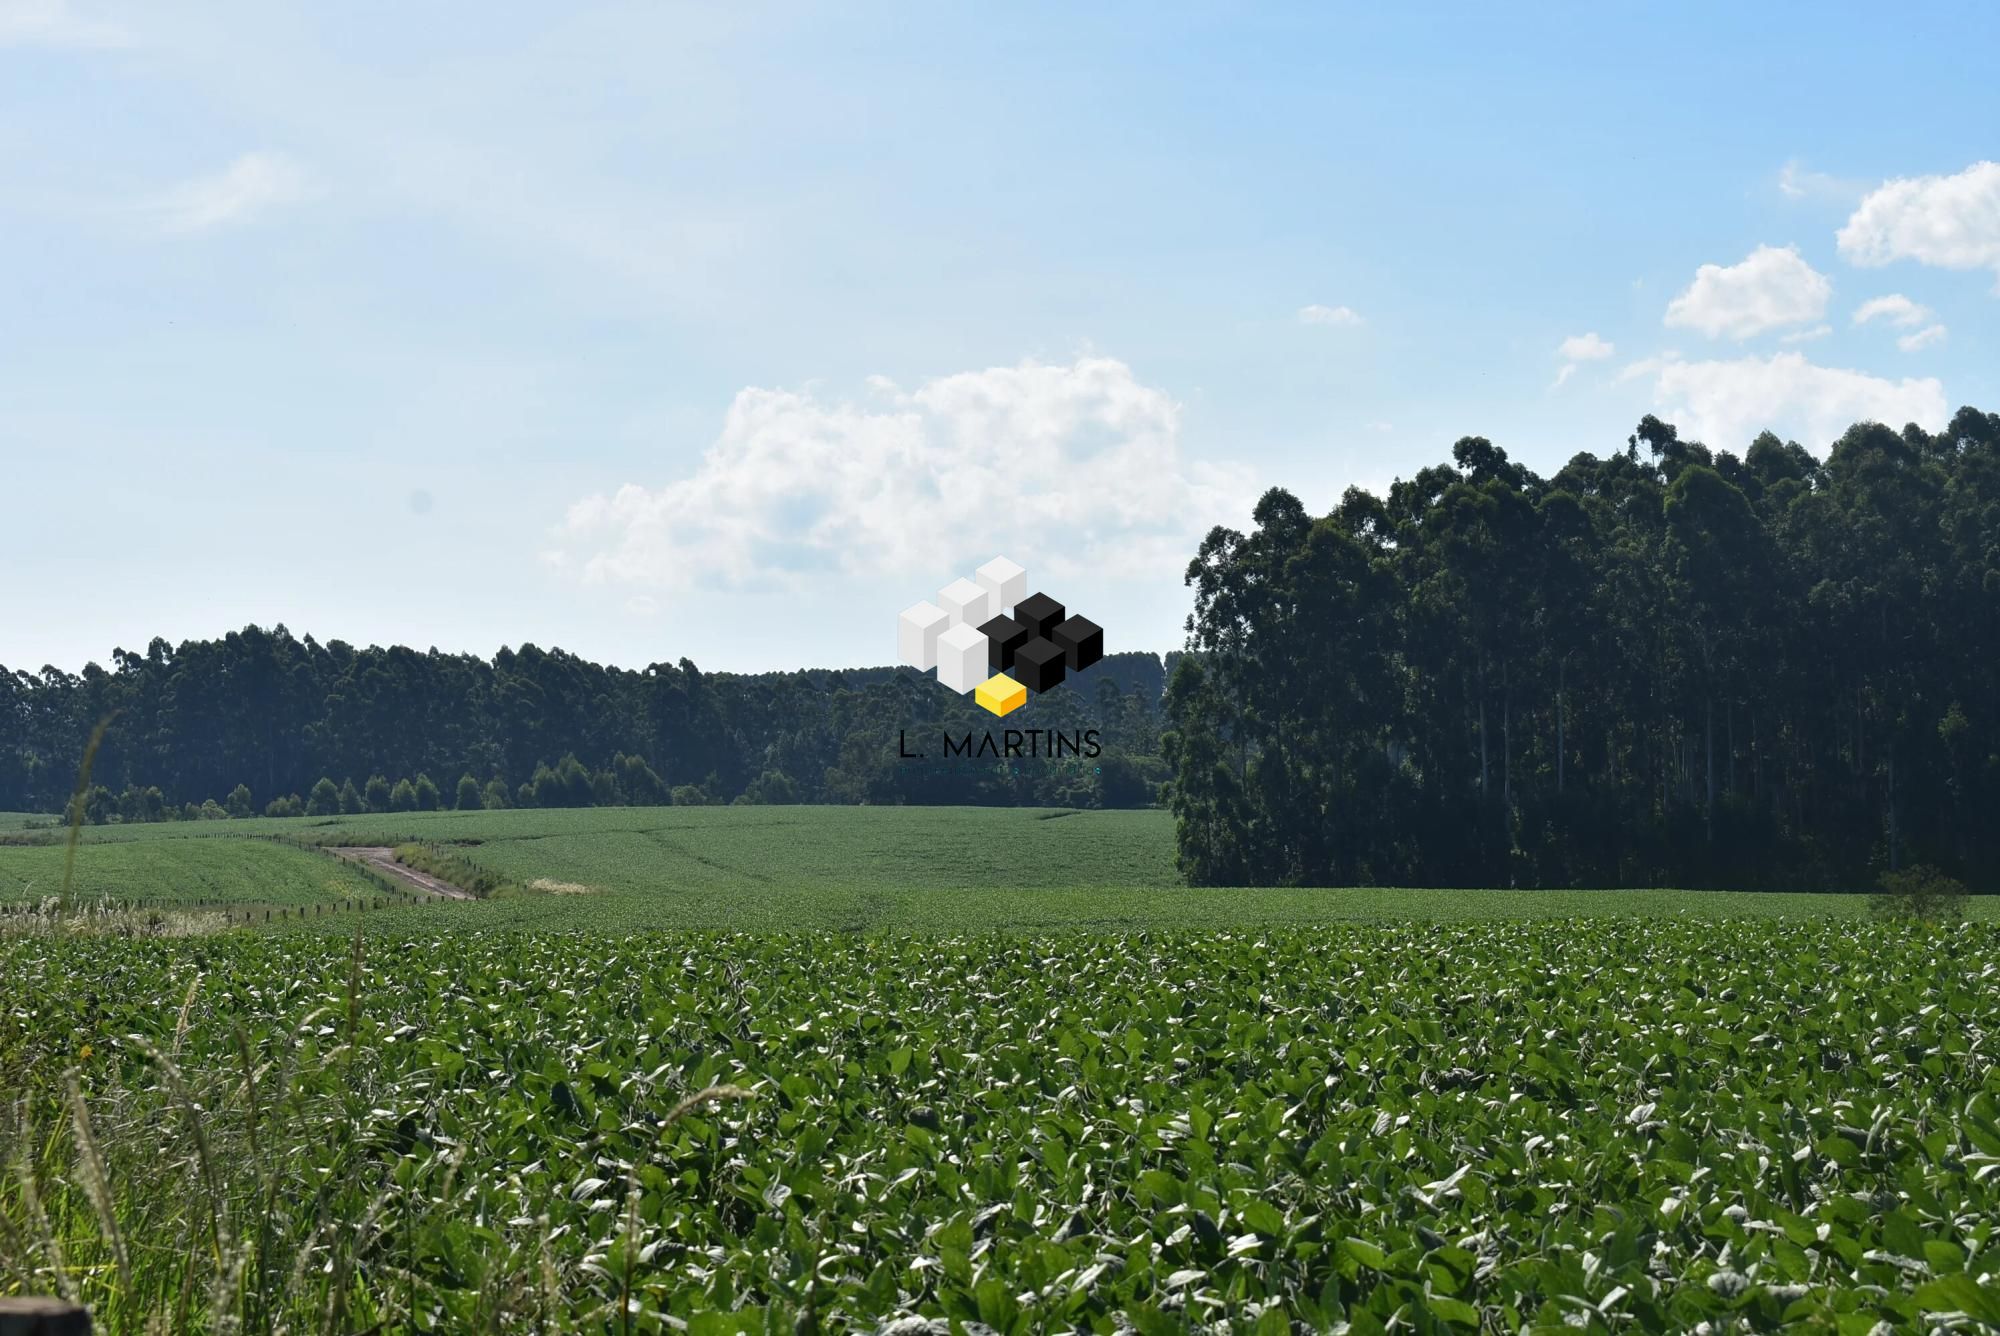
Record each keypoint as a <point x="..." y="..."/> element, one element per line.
<point x="961" y="657"/>
<point x="1005" y="584"/>
<point x="917" y="632"/>
<point x="967" y="603"/>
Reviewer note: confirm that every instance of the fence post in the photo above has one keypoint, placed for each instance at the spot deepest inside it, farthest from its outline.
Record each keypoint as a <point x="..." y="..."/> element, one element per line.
<point x="42" y="1317"/>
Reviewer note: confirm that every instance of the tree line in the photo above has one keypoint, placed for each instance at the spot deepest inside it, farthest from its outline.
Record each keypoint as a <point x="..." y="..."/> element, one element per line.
<point x="1666" y="666"/>
<point x="262" y="721"/>
<point x="628" y="781"/>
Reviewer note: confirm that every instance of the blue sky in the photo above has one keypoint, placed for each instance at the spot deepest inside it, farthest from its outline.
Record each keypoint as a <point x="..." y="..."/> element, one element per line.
<point x="729" y="331"/>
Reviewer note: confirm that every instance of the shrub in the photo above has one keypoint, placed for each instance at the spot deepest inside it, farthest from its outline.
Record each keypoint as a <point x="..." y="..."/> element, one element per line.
<point x="147" y="804"/>
<point x="638" y="782"/>
<point x="773" y="786"/>
<point x="324" y="799"/>
<point x="1920" y="892"/>
<point x="573" y="784"/>
<point x="287" y="806"/>
<point x="93" y="808"/>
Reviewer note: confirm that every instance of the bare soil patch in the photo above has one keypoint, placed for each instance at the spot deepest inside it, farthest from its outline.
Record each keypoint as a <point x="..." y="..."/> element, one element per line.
<point x="384" y="861"/>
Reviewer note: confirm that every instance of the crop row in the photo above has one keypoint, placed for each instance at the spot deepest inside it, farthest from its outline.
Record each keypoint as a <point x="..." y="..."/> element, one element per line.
<point x="1477" y="1126"/>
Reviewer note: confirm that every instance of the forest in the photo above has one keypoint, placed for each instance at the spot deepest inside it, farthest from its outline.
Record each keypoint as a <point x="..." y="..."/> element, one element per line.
<point x="1668" y="666"/>
<point x="261" y="721"/>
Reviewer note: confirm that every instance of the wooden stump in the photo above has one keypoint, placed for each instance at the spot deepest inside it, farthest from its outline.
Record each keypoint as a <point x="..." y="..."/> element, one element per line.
<point x="43" y="1317"/>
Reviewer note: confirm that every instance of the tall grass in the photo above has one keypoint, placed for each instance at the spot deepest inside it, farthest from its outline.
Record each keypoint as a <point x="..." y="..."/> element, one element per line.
<point x="259" y="1191"/>
<point x="76" y="802"/>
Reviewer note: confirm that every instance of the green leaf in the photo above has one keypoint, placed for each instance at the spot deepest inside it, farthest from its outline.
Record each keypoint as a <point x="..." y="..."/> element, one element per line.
<point x="1452" y="1310"/>
<point x="1960" y="1293"/>
<point x="1364" y="1252"/>
<point x="1263" y="1217"/>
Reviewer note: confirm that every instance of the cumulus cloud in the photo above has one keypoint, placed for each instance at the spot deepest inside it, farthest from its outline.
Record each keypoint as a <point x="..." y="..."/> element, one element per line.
<point x="1329" y="315"/>
<point x="1772" y="287"/>
<point x="1579" y="348"/>
<point x="252" y="185"/>
<point x="1080" y="461"/>
<point x="1806" y="335"/>
<point x="1952" y="222"/>
<point x="1725" y="403"/>
<point x="55" y="23"/>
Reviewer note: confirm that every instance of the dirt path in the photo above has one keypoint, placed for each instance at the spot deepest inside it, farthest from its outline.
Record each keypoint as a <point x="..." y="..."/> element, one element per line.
<point x="383" y="860"/>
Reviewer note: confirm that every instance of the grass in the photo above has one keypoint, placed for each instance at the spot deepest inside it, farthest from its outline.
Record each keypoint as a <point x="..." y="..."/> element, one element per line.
<point x="851" y="869"/>
<point x="223" y="871"/>
<point x="1499" y="1125"/>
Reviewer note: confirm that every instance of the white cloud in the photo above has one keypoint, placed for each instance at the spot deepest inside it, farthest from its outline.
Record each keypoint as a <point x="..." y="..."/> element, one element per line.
<point x="1584" y="348"/>
<point x="1328" y="315"/>
<point x="1895" y="308"/>
<point x="1726" y="403"/>
<point x="1645" y="366"/>
<point x="1796" y="182"/>
<point x="1903" y="313"/>
<point x="1770" y="288"/>
<point x="1952" y="222"/>
<point x="1806" y="335"/>
<point x="1078" y="461"/>
<point x="1578" y="348"/>
<point x="54" y="23"/>
<point x="254" y="184"/>
<point x="1923" y="338"/>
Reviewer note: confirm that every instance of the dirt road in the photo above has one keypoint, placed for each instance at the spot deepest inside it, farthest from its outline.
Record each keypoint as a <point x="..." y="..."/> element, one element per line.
<point x="384" y="861"/>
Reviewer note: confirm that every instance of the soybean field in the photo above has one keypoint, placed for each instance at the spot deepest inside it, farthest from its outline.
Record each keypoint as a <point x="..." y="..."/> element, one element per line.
<point x="1501" y="1125"/>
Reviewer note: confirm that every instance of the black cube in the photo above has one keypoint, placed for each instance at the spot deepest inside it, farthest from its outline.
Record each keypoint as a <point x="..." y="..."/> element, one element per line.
<point x="1040" y="614"/>
<point x="1038" y="664"/>
<point x="1081" y="641"/>
<point x="1003" y="635"/>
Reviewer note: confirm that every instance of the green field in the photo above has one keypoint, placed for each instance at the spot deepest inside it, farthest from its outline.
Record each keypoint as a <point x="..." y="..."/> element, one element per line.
<point x="1026" y="1080"/>
<point x="190" y="872"/>
<point x="1364" y="1127"/>
<point x="842" y="868"/>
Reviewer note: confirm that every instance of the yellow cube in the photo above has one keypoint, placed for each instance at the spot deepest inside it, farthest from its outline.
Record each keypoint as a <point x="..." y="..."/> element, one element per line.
<point x="1000" y="694"/>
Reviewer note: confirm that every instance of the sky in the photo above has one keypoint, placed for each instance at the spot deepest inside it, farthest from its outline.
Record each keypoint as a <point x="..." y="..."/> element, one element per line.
<point x="729" y="331"/>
